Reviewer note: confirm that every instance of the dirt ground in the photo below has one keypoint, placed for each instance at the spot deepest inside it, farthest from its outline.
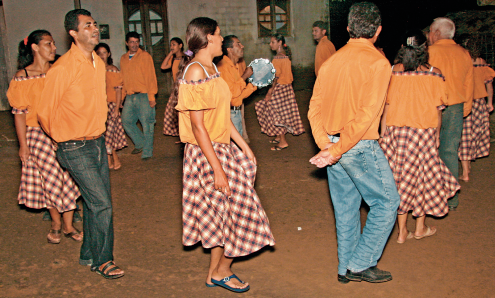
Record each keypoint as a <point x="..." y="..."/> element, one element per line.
<point x="459" y="261"/>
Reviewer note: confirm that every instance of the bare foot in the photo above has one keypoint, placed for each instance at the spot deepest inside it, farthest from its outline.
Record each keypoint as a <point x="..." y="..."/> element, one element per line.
<point x="464" y="178"/>
<point x="404" y="236"/>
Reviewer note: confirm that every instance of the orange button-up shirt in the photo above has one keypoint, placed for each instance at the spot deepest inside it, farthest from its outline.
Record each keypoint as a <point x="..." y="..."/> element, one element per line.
<point x="349" y="96"/>
<point x="483" y="75"/>
<point x="139" y="74"/>
<point x="73" y="103"/>
<point x="114" y="85"/>
<point x="324" y="50"/>
<point x="283" y="70"/>
<point x="457" y="68"/>
<point x="238" y="87"/>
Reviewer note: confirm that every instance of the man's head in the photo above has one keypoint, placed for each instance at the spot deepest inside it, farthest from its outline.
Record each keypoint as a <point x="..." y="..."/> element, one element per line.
<point x="319" y="30"/>
<point x="441" y="28"/>
<point x="82" y="27"/>
<point x="232" y="47"/>
<point x="132" y="40"/>
<point x="364" y="21"/>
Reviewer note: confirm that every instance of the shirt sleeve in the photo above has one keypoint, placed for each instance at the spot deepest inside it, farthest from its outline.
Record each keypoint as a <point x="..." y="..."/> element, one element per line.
<point x="469" y="89"/>
<point x="489" y="74"/>
<point x="315" y="118"/>
<point x="150" y="77"/>
<point x="322" y="54"/>
<point x="195" y="97"/>
<point x="17" y="98"/>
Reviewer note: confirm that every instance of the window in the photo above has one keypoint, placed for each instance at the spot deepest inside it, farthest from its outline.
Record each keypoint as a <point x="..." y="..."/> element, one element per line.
<point x="273" y="17"/>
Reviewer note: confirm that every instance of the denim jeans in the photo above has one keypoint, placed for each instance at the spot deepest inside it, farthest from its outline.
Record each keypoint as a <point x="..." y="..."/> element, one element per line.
<point x="137" y="107"/>
<point x="236" y="117"/>
<point x="363" y="173"/>
<point x="87" y="163"/>
<point x="450" y="137"/>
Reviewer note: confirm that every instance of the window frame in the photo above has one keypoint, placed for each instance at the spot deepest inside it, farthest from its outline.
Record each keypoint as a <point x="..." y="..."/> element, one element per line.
<point x="285" y="30"/>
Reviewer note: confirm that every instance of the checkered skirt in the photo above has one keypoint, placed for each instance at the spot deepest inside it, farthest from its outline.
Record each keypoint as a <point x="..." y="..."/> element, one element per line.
<point x="238" y="223"/>
<point x="423" y="180"/>
<point x="171" y="120"/>
<point x="475" y="140"/>
<point x="280" y="114"/>
<point x="44" y="184"/>
<point x="115" y="135"/>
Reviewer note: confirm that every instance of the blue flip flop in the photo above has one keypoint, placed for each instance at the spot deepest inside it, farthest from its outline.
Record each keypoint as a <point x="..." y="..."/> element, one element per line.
<point x="222" y="283"/>
<point x="210" y="286"/>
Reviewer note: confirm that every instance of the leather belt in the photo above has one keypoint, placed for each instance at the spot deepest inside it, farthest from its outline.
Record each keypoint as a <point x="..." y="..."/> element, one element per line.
<point x="87" y="138"/>
<point x="236" y="108"/>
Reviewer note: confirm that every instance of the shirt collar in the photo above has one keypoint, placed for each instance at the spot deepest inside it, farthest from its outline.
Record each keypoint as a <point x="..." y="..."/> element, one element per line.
<point x="79" y="55"/>
<point x="362" y="41"/>
<point x="228" y="61"/>
<point x="135" y="54"/>
<point x="444" y="41"/>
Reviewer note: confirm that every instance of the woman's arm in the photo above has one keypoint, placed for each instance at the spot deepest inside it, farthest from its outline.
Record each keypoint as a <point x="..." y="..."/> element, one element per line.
<point x="239" y="140"/>
<point x="383" y="122"/>
<point x="118" y="101"/>
<point x="489" y="89"/>
<point x="439" y="125"/>
<point x="167" y="62"/>
<point x="20" y="128"/>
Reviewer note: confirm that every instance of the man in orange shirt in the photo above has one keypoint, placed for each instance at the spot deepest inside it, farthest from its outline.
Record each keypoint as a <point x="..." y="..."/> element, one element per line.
<point x="229" y="68"/>
<point x="455" y="63"/>
<point x="344" y="112"/>
<point x="325" y="47"/>
<point x="73" y="112"/>
<point x="140" y="87"/>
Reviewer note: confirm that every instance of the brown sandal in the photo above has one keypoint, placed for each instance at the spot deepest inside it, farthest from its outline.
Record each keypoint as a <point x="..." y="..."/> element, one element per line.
<point x="71" y="235"/>
<point x="56" y="239"/>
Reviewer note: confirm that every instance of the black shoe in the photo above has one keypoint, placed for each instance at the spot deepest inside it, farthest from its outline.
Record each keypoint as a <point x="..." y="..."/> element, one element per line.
<point x="342" y="279"/>
<point x="47" y="216"/>
<point x="137" y="151"/>
<point x="77" y="217"/>
<point x="452" y="208"/>
<point x="372" y="274"/>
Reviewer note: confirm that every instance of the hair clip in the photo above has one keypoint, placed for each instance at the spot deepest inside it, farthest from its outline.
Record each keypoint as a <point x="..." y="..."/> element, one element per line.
<point x="410" y="41"/>
<point x="285" y="45"/>
<point x="26" y="41"/>
<point x="188" y="53"/>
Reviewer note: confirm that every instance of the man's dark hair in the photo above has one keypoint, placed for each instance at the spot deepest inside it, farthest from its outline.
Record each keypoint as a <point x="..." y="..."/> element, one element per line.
<point x="72" y="19"/>
<point x="132" y="34"/>
<point x="364" y="19"/>
<point x="228" y="43"/>
<point x="322" y="25"/>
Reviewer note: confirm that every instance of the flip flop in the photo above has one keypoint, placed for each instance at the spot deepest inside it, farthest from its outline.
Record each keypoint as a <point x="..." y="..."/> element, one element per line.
<point x="210" y="285"/>
<point x="273" y="141"/>
<point x="278" y="148"/>
<point x="72" y="234"/>
<point x="429" y="232"/>
<point x="410" y="235"/>
<point x="222" y="283"/>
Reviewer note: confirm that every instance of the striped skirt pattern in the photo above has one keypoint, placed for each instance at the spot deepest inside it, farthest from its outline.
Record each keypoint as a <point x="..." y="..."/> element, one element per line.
<point x="423" y="180"/>
<point x="475" y="140"/>
<point x="171" y="120"/>
<point x="238" y="223"/>
<point x="44" y="184"/>
<point x="115" y="135"/>
<point x="280" y="114"/>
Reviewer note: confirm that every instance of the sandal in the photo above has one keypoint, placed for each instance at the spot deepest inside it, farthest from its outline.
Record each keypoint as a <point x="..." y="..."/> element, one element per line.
<point x="74" y="235"/>
<point x="278" y="148"/>
<point x="106" y="270"/>
<point x="429" y="232"/>
<point x="274" y="141"/>
<point x="56" y="239"/>
<point x="223" y="283"/>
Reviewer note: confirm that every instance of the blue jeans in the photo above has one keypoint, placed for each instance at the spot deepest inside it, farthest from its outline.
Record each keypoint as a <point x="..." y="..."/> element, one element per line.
<point x="87" y="163"/>
<point x="236" y="117"/>
<point x="450" y="137"/>
<point x="363" y="173"/>
<point x="137" y="107"/>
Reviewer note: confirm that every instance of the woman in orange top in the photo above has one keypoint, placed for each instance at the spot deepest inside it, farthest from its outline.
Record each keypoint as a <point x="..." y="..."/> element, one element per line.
<point x="410" y="137"/>
<point x="475" y="140"/>
<point x="44" y="184"/>
<point x="219" y="204"/>
<point x="278" y="112"/>
<point x="114" y="135"/>
<point x="170" y="121"/>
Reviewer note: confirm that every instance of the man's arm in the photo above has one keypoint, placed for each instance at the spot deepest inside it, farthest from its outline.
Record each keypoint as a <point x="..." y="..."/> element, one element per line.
<point x="150" y="79"/>
<point x="238" y="88"/>
<point x="469" y="89"/>
<point x="315" y="118"/>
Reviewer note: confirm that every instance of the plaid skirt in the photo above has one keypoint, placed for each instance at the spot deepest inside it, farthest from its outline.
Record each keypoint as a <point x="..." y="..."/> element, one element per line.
<point x="238" y="223"/>
<point x="115" y="135"/>
<point x="423" y="180"/>
<point x="44" y="184"/>
<point x="280" y="114"/>
<point x="475" y="140"/>
<point x="171" y="119"/>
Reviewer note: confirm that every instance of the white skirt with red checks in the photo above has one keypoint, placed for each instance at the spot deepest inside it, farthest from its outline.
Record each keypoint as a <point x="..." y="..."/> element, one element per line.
<point x="280" y="114"/>
<point x="115" y="135"/>
<point x="423" y="180"/>
<point x="171" y="119"/>
<point x="475" y="140"/>
<point x="44" y="184"/>
<point x="238" y="223"/>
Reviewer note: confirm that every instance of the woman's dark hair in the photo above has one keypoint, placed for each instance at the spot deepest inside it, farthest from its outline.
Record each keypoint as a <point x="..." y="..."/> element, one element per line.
<point x="414" y="51"/>
<point x="104" y="45"/>
<point x="280" y="37"/>
<point x="178" y="41"/>
<point x="472" y="44"/>
<point x="363" y="20"/>
<point x="26" y="56"/>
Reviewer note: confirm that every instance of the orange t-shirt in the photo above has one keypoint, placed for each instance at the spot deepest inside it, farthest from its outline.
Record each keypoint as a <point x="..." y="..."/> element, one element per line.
<point x="324" y="50"/>
<point x="457" y="67"/>
<point x="114" y="85"/>
<point x="483" y="75"/>
<point x="349" y="96"/>
<point x="413" y="98"/>
<point x="24" y="94"/>
<point x="211" y="95"/>
<point x="139" y="74"/>
<point x="283" y="70"/>
<point x="73" y="103"/>
<point x="175" y="68"/>
<point x="238" y="87"/>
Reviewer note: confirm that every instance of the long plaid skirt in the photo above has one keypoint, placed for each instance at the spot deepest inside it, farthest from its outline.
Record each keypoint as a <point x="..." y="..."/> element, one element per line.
<point x="44" y="184"/>
<point x="238" y="223"/>
<point x="424" y="182"/>
<point x="280" y="114"/>
<point x="171" y="119"/>
<point x="115" y="135"/>
<point x="475" y="140"/>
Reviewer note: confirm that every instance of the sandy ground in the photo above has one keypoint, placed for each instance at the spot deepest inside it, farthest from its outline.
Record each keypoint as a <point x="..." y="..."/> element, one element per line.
<point x="459" y="261"/>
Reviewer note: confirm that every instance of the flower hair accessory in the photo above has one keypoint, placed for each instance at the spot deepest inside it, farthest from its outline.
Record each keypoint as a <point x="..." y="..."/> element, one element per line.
<point x="285" y="45"/>
<point x="26" y="41"/>
<point x="410" y="41"/>
<point x="188" y="53"/>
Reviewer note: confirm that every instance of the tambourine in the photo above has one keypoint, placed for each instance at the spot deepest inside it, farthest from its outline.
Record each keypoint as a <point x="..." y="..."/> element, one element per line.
<point x="263" y="72"/>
